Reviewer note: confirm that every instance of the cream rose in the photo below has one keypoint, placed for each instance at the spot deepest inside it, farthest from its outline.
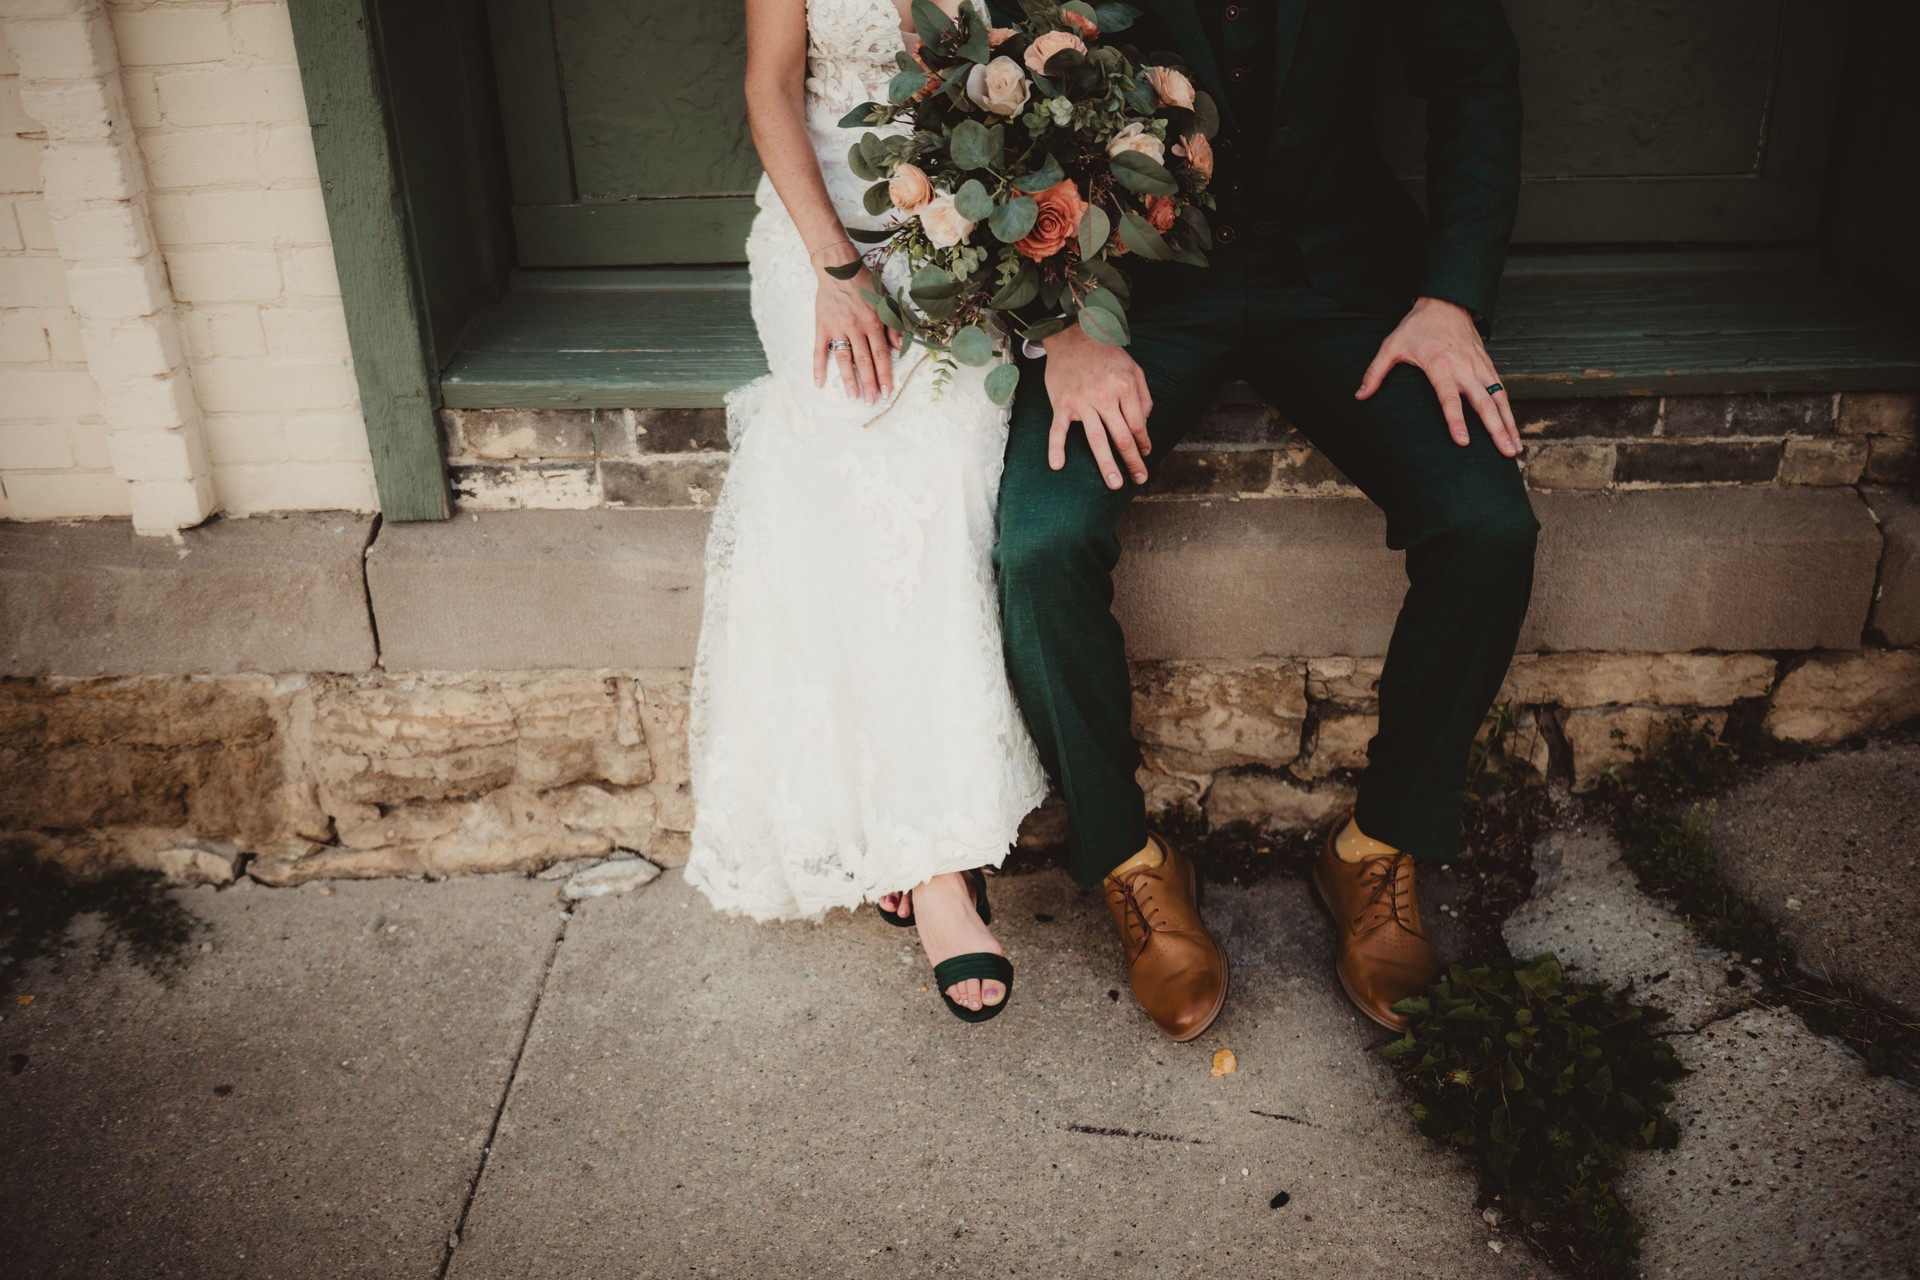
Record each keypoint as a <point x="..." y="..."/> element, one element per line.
<point x="909" y="188"/>
<point x="943" y="223"/>
<point x="1171" y="86"/>
<point x="1049" y="44"/>
<point x="1136" y="138"/>
<point x="999" y="86"/>
<point x="997" y="36"/>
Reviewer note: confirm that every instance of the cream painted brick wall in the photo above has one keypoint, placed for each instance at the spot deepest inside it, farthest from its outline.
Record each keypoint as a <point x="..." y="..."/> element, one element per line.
<point x="233" y="197"/>
<point x="53" y="458"/>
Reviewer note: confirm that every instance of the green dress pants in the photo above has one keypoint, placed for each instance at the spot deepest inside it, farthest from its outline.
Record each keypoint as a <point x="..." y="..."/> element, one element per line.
<point x="1460" y="513"/>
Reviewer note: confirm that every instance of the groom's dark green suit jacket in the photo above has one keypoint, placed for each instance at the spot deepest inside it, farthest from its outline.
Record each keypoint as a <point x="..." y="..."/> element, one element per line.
<point x="1296" y="154"/>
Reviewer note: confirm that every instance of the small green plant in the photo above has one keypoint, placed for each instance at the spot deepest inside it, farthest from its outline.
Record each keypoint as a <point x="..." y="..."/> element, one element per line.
<point x="38" y="902"/>
<point x="1545" y="1084"/>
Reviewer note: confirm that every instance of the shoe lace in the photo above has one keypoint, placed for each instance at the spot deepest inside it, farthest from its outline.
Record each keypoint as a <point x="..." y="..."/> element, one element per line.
<point x="1142" y="909"/>
<point x="1390" y="892"/>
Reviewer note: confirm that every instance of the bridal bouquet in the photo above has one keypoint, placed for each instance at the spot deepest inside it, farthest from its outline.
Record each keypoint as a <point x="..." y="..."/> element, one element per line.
<point x="1038" y="157"/>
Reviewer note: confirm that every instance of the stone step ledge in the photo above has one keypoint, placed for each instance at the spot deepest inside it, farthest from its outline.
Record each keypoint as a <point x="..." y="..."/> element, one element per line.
<point x="280" y="593"/>
<point x="1671" y="571"/>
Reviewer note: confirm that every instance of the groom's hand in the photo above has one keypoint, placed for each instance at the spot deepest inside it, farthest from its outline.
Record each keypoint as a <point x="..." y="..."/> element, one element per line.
<point x="1439" y="339"/>
<point x="1100" y="387"/>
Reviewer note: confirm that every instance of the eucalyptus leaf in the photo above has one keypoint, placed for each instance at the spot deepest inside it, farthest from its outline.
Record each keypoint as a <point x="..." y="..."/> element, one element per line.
<point x="1002" y="381"/>
<point x="1103" y="325"/>
<point x="931" y="284"/>
<point x="975" y="47"/>
<point x="871" y="235"/>
<point x="1044" y="329"/>
<point x="1196" y="223"/>
<point x="889" y="312"/>
<point x="1049" y="174"/>
<point x="971" y="145"/>
<point x="904" y="85"/>
<point x="1104" y="299"/>
<point x="972" y="346"/>
<point x="873" y="149"/>
<point x="1139" y="236"/>
<point x="1206" y="116"/>
<point x="1143" y="174"/>
<point x="857" y="161"/>
<point x="1114" y="18"/>
<point x="1014" y="219"/>
<point x="1095" y="227"/>
<point x="1110" y="278"/>
<point x="1192" y="257"/>
<point x="1019" y="291"/>
<point x="877" y="201"/>
<point x="972" y="201"/>
<point x="930" y="21"/>
<point x="846" y="271"/>
<point x="860" y="115"/>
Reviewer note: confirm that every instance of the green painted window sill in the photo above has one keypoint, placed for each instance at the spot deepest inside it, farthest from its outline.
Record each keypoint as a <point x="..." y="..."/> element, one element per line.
<point x="1603" y="324"/>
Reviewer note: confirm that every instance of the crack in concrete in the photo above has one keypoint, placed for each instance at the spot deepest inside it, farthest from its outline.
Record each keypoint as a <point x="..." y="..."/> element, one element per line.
<point x="1143" y="1134"/>
<point x="506" y="1092"/>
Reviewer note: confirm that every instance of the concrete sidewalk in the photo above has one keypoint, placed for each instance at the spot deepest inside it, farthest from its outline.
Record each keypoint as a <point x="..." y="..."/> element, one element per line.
<point x="699" y="1095"/>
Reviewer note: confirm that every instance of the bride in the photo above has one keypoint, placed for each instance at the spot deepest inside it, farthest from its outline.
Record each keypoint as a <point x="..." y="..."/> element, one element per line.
<point x="854" y="737"/>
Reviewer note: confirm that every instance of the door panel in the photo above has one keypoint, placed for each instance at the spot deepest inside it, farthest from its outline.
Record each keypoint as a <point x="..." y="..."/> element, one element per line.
<point x="1660" y="120"/>
<point x="1648" y="121"/>
<point x="626" y="136"/>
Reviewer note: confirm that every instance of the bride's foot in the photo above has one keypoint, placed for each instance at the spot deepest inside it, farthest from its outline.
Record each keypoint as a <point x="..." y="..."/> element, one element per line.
<point x="950" y="925"/>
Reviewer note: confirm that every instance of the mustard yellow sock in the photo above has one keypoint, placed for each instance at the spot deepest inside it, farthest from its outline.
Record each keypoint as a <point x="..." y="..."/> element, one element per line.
<point x="1353" y="844"/>
<point x="1147" y="857"/>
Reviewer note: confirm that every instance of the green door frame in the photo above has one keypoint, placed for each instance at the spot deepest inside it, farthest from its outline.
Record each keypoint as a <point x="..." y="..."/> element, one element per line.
<point x="366" y="214"/>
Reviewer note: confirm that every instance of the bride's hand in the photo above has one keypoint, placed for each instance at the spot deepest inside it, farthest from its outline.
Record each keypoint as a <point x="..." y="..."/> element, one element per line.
<point x="842" y="315"/>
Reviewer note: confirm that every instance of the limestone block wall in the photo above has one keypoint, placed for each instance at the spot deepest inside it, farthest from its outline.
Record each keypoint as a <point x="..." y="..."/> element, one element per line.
<point x="169" y="311"/>
<point x="288" y="779"/>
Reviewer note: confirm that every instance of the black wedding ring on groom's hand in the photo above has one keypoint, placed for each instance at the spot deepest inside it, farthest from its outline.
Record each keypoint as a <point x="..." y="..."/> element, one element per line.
<point x="1494" y="388"/>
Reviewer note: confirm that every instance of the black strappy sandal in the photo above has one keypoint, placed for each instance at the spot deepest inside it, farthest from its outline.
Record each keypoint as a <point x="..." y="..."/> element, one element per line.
<point x="973" y="964"/>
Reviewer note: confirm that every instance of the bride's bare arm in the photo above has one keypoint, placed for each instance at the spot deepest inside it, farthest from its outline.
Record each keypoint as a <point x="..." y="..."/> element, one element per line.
<point x="776" y="112"/>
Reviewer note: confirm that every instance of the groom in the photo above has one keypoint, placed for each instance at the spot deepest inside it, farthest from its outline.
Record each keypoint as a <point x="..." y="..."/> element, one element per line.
<point x="1362" y="321"/>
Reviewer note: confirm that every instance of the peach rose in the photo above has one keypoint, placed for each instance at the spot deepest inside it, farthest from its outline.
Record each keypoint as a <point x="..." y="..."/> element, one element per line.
<point x="999" y="86"/>
<point x="1198" y="153"/>
<point x="1061" y="209"/>
<point x="1161" y="213"/>
<point x="997" y="36"/>
<point x="1049" y="44"/>
<point x="1171" y="86"/>
<point x="1136" y="138"/>
<point x="909" y="188"/>
<point x="943" y="223"/>
<point x="1080" y="22"/>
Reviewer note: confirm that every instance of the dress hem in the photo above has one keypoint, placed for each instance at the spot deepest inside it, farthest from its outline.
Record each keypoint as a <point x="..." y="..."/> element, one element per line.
<point x="964" y="860"/>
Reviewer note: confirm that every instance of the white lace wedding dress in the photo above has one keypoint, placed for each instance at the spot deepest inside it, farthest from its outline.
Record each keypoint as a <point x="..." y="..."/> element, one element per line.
<point x="853" y="732"/>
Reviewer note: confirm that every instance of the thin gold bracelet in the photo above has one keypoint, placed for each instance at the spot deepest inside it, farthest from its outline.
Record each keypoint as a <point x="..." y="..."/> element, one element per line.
<point x="831" y="244"/>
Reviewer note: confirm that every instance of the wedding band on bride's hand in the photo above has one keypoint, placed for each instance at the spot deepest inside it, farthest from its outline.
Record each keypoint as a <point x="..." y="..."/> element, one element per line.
<point x="840" y="344"/>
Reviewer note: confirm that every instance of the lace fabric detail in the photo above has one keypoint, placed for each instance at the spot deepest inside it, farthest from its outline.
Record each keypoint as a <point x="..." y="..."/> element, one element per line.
<point x="852" y="731"/>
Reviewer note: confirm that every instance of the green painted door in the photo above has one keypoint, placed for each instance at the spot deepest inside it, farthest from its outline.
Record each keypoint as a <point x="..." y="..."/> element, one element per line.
<point x="1648" y="121"/>
<point x="1661" y="120"/>
<point x="626" y="134"/>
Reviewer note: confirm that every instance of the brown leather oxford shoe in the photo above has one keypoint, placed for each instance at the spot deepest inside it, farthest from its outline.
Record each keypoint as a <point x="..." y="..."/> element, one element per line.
<point x="1176" y="969"/>
<point x="1384" y="953"/>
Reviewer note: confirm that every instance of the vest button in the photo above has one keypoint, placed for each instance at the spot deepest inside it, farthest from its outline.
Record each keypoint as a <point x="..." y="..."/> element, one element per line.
<point x="1238" y="73"/>
<point x="1226" y="235"/>
<point x="1233" y="12"/>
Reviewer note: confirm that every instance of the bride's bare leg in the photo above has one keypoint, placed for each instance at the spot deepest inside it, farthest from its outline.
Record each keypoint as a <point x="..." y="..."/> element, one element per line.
<point x="949" y="926"/>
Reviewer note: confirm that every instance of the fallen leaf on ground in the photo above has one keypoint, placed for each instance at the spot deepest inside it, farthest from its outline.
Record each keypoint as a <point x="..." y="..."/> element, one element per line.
<point x="24" y="999"/>
<point x="1224" y="1063"/>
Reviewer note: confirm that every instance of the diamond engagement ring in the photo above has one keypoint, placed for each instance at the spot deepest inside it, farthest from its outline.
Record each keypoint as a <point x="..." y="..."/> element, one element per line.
<point x="839" y="344"/>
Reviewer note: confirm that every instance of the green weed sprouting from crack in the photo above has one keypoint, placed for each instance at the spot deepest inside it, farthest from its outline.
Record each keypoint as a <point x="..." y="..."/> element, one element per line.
<point x="1544" y="1084"/>
<point x="39" y="901"/>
